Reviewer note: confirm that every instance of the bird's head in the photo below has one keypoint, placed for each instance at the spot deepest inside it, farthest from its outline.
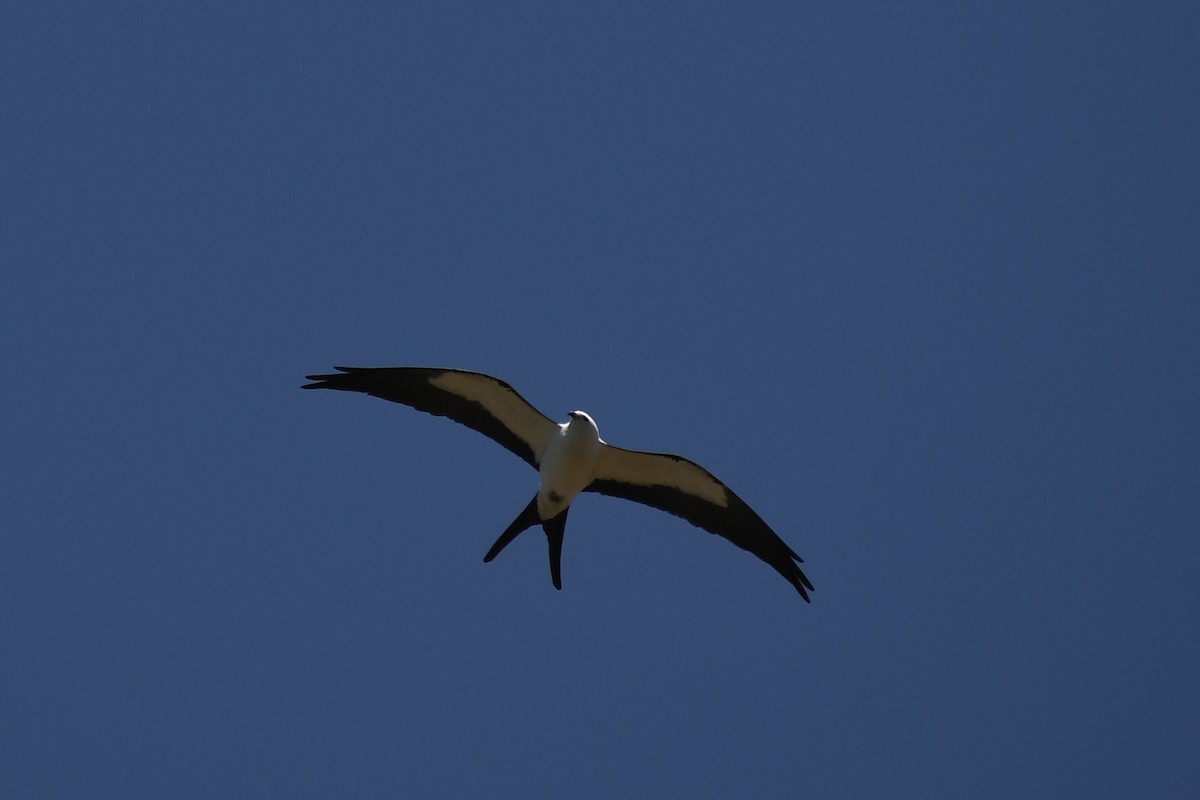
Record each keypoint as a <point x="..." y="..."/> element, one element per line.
<point x="581" y="417"/>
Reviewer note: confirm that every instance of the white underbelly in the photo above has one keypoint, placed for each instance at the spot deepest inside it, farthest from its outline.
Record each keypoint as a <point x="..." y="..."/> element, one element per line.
<point x="566" y="468"/>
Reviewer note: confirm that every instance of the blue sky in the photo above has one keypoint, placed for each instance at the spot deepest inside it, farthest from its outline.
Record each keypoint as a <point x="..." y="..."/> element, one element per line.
<point x="917" y="280"/>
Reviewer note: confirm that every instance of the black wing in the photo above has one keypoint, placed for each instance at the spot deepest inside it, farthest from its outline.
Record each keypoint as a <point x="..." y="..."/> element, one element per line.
<point x="685" y="489"/>
<point x="481" y="402"/>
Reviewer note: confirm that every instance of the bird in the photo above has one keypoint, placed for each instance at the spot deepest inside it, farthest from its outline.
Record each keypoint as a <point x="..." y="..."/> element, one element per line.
<point x="571" y="458"/>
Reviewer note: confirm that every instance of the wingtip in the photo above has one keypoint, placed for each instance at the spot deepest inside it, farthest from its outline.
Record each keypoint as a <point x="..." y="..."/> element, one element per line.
<point x="319" y="380"/>
<point x="328" y="380"/>
<point x="803" y="586"/>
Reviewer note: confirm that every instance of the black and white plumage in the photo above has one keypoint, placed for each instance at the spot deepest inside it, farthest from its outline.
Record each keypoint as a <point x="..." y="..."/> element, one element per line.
<point x="572" y="458"/>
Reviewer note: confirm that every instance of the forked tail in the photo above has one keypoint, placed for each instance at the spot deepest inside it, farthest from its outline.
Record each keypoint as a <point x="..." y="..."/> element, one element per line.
<point x="554" y="529"/>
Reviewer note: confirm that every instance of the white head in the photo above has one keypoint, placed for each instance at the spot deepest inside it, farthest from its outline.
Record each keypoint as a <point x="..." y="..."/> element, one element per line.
<point x="582" y="418"/>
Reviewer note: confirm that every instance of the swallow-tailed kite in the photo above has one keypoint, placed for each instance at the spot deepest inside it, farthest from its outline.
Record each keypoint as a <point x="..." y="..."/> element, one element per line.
<point x="571" y="458"/>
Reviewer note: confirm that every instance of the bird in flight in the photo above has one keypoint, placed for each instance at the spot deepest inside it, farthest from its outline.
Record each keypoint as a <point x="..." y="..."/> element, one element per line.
<point x="571" y="458"/>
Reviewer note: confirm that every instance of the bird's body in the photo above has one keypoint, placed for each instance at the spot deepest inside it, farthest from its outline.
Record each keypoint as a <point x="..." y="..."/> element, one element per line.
<point x="566" y="464"/>
<point x="572" y="458"/>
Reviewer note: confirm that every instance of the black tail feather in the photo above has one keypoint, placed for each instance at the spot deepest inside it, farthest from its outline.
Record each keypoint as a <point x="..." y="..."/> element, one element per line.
<point x="555" y="528"/>
<point x="524" y="521"/>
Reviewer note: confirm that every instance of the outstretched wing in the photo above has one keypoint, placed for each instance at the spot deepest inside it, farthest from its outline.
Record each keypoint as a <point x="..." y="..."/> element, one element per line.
<point x="685" y="489"/>
<point x="481" y="402"/>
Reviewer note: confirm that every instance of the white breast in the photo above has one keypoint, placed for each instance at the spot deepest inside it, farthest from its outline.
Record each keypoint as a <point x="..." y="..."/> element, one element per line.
<point x="567" y="464"/>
